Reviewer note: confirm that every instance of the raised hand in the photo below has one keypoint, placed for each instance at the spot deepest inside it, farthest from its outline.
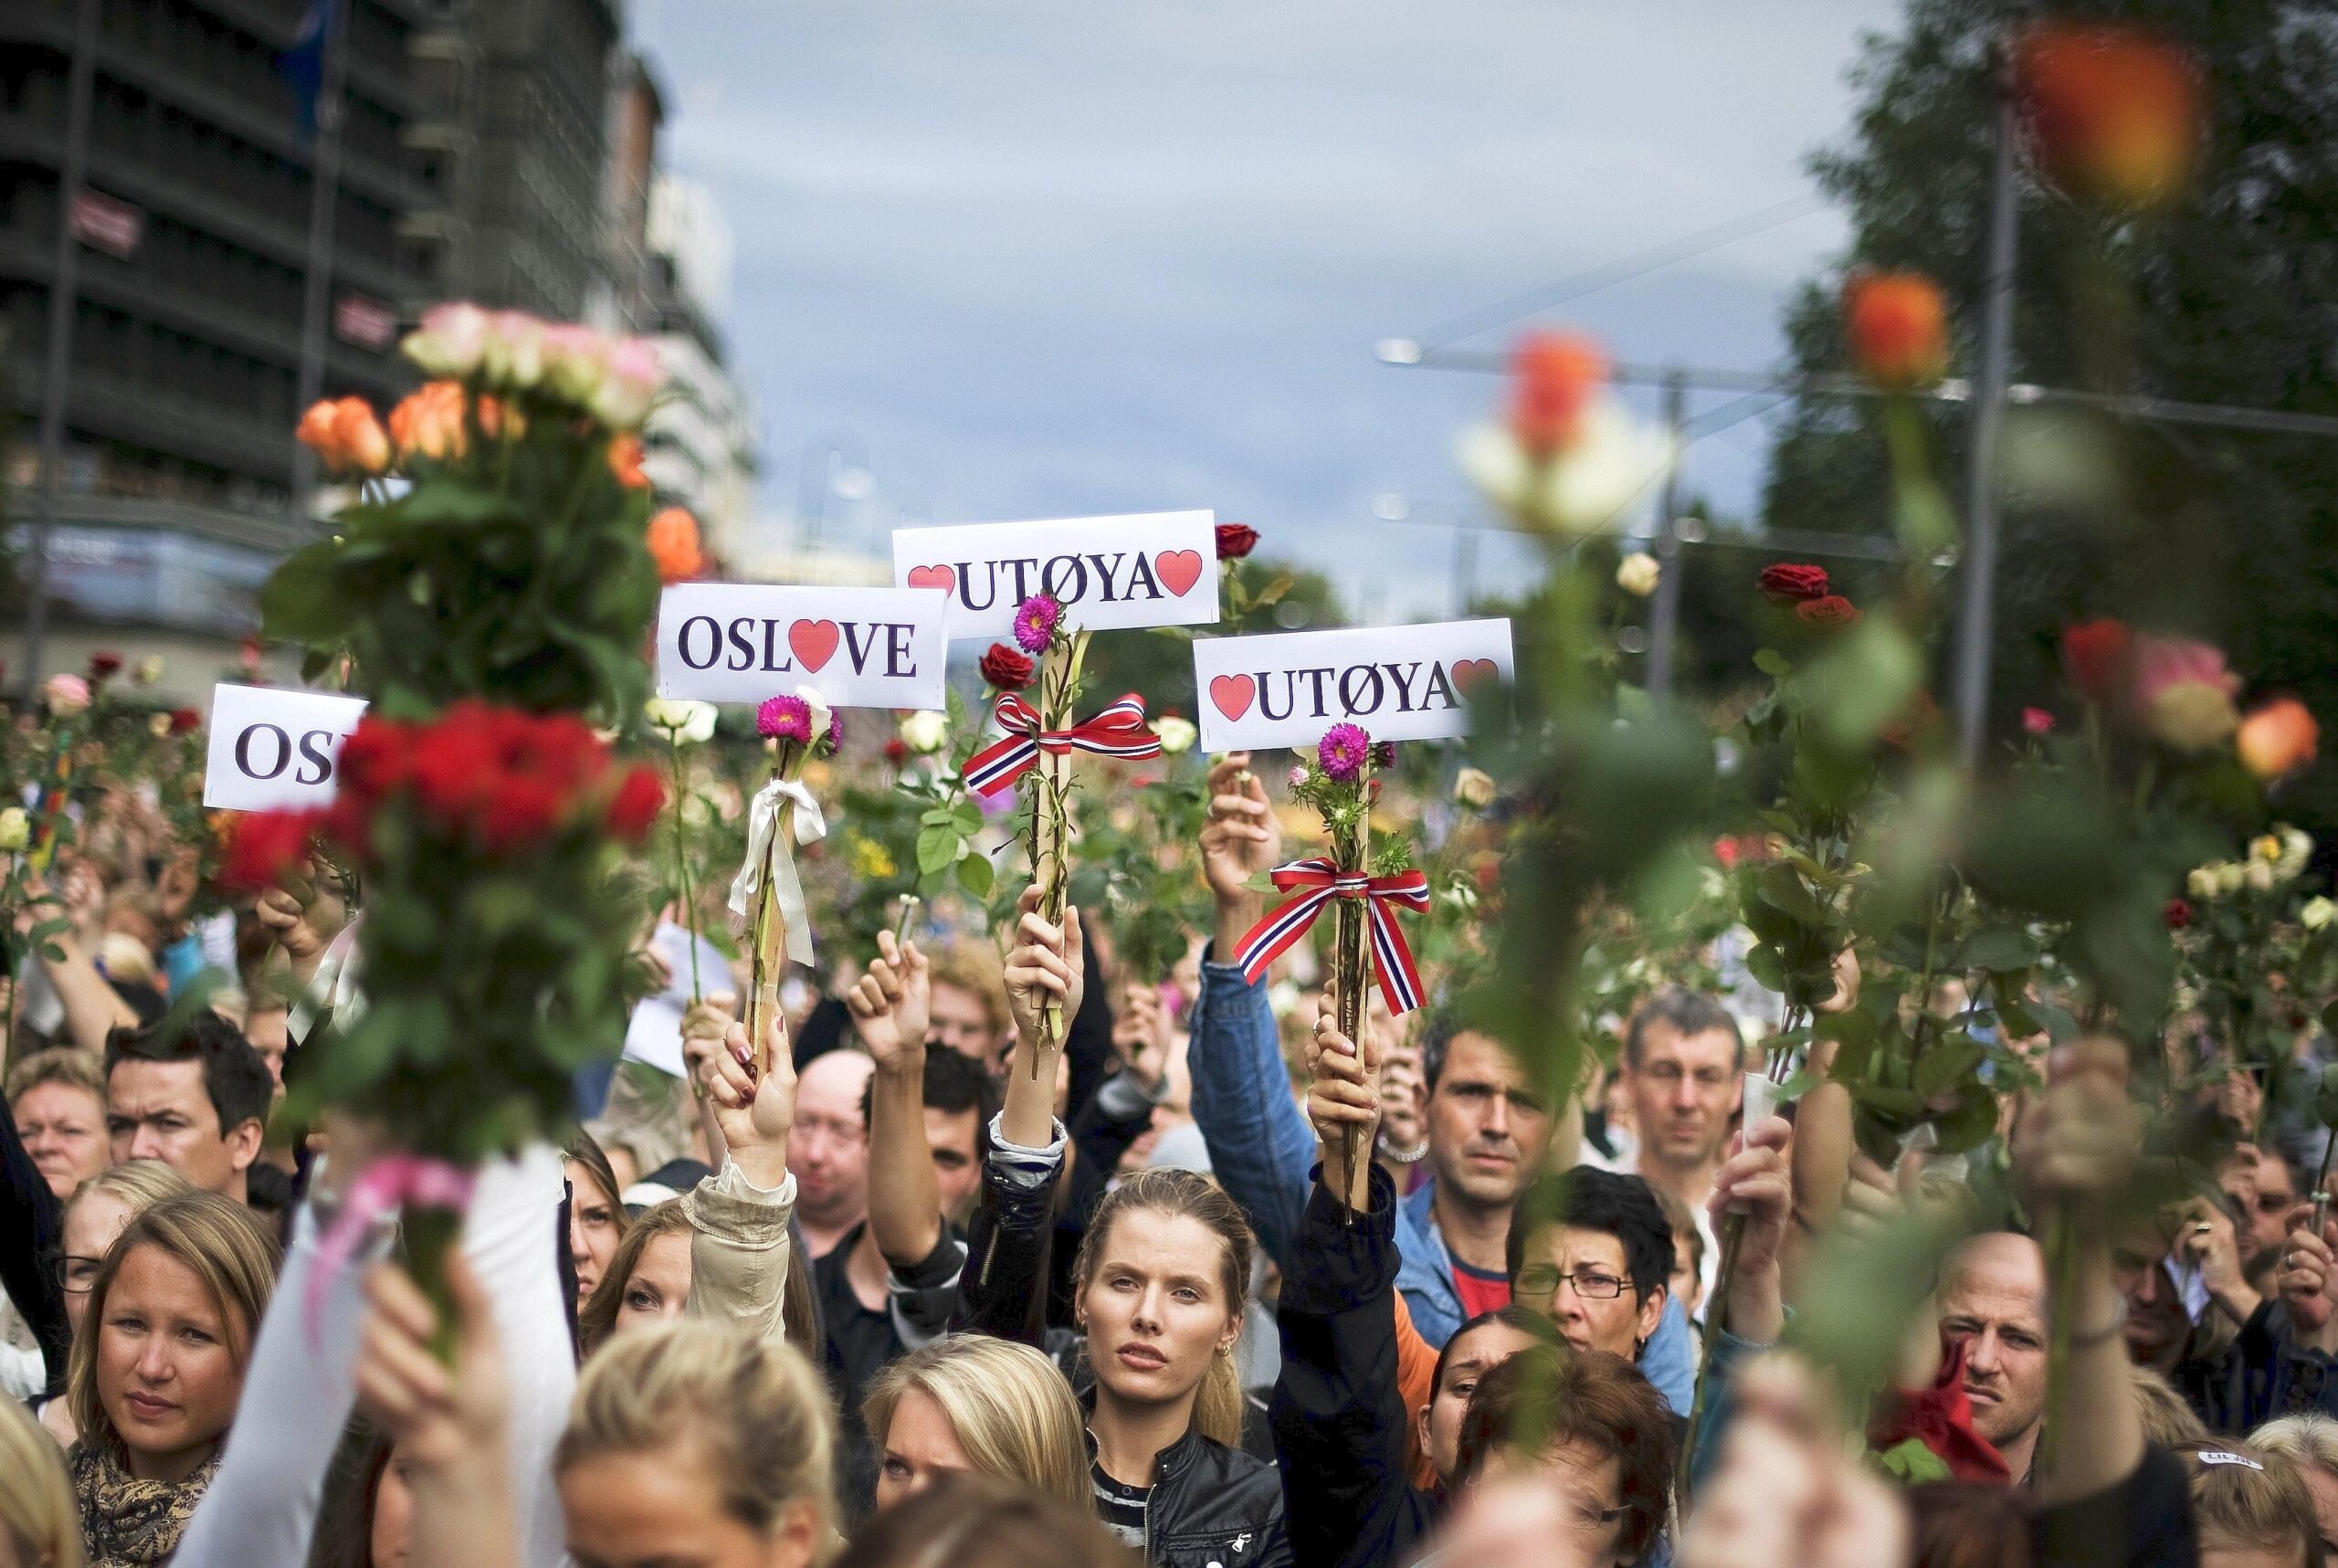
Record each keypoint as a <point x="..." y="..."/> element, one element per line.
<point x="2308" y="1277"/>
<point x="1140" y="1033"/>
<point x="2209" y="1240"/>
<point x="1044" y="966"/>
<point x="2077" y="1145"/>
<point x="1755" y="1183"/>
<point x="1240" y="839"/>
<point x="889" y="1004"/>
<point x="1344" y="1103"/>
<point x="753" y="1113"/>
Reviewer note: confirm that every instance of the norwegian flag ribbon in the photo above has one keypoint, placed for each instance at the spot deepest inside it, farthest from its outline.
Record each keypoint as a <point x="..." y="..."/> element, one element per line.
<point x="1117" y="732"/>
<point x="1400" y="982"/>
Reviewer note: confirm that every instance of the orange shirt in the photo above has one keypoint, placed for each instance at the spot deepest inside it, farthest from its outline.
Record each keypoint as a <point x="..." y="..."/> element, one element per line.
<point x="1416" y="1380"/>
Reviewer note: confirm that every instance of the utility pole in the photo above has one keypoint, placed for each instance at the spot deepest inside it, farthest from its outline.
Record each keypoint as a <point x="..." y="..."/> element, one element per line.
<point x="1975" y="623"/>
<point x="64" y="287"/>
<point x="1664" y="615"/>
<point x="324" y="194"/>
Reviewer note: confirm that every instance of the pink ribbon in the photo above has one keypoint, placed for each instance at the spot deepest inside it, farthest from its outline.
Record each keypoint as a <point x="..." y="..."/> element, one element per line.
<point x="387" y="1184"/>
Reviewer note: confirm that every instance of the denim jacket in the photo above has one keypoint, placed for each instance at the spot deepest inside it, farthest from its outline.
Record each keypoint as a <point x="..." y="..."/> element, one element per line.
<point x="1262" y="1150"/>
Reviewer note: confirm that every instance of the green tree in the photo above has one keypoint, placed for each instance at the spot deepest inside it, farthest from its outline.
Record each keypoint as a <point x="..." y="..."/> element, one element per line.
<point x="2230" y="294"/>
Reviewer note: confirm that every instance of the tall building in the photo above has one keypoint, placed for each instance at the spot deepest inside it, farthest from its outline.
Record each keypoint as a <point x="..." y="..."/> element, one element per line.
<point x="699" y="441"/>
<point x="192" y="231"/>
<point x="513" y="143"/>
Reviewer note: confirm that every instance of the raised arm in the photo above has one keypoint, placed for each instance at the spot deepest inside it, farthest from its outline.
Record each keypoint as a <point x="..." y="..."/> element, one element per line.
<point x="93" y="1009"/>
<point x="740" y="1248"/>
<point x="1260" y="1146"/>
<point x="889" y="1007"/>
<point x="1338" y="1412"/>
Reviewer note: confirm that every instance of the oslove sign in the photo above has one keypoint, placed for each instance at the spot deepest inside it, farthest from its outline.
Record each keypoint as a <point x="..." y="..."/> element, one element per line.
<point x="275" y="750"/>
<point x="857" y="647"/>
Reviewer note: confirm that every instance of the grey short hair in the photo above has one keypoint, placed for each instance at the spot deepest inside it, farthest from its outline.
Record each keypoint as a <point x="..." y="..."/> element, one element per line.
<point x="1688" y="1013"/>
<point x="2308" y="1437"/>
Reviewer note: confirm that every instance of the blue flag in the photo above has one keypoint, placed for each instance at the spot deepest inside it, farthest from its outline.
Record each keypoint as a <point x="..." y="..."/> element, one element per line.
<point x="303" y="66"/>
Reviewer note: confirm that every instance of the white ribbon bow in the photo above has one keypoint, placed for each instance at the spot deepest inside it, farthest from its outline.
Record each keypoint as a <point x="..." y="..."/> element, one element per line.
<point x="762" y="824"/>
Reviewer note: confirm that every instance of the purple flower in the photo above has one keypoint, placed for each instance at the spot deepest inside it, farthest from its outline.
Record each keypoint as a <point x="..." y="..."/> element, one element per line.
<point x="784" y="719"/>
<point x="835" y="732"/>
<point x="1384" y="754"/>
<point x="1297" y="777"/>
<point x="1343" y="752"/>
<point x="1035" y="623"/>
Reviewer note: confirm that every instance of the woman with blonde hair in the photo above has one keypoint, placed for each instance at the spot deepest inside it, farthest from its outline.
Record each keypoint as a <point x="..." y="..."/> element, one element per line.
<point x="40" y="1525"/>
<point x="969" y="1403"/>
<point x="95" y="1215"/>
<point x="158" y="1367"/>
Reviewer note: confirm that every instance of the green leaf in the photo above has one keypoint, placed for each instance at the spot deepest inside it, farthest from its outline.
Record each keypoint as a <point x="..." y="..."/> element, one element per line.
<point x="937" y="848"/>
<point x="976" y="875"/>
<point x="1783" y="889"/>
<point x="1767" y="967"/>
<point x="1948" y="1065"/>
<point x="1771" y="662"/>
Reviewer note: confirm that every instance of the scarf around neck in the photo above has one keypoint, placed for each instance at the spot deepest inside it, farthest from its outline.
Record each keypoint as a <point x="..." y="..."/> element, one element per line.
<point x="127" y="1522"/>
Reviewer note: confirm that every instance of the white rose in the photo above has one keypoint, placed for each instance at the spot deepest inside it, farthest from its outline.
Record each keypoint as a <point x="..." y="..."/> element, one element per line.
<point x="1638" y="574"/>
<point x="2317" y="913"/>
<point x="687" y="723"/>
<point x="150" y="670"/>
<point x="2202" y="882"/>
<point x="925" y="732"/>
<point x="2229" y="876"/>
<point x="1615" y="460"/>
<point x="1174" y="733"/>
<point x="2297" y="851"/>
<point x="17" y="830"/>
<point x="158" y="725"/>
<point x="2259" y="876"/>
<point x="819" y="709"/>
<point x="1474" y="788"/>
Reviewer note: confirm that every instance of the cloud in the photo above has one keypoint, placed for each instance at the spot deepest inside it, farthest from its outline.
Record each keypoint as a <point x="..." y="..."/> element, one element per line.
<point x="1045" y="257"/>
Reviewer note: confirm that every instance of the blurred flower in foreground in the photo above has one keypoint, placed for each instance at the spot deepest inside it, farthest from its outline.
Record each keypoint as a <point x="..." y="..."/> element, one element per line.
<point x="1176" y="733"/>
<point x="2096" y="656"/>
<point x="2277" y="738"/>
<point x="684" y="721"/>
<point x="1897" y="325"/>
<point x="2110" y="113"/>
<point x="925" y="731"/>
<point x="673" y="544"/>
<point x="1570" y="458"/>
<point x="2184" y="693"/>
<point x="1638" y="574"/>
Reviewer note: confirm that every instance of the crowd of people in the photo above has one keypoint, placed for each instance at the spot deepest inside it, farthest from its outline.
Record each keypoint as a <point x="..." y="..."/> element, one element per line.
<point x="1204" y="1283"/>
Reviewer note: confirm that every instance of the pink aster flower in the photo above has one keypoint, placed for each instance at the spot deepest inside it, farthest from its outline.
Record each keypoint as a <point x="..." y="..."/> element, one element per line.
<point x="1035" y="623"/>
<point x="1297" y="777"/>
<point x="784" y="719"/>
<point x="835" y="732"/>
<point x="1342" y="751"/>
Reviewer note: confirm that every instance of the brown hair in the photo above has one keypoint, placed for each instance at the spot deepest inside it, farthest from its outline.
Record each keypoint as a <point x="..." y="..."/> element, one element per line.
<point x="73" y="1068"/>
<point x="1540" y="1399"/>
<point x="976" y="1522"/>
<point x="585" y="1152"/>
<point x="229" y="1251"/>
<point x="2249" y="1497"/>
<point x="751" y="1412"/>
<point x="1970" y="1524"/>
<point x="1217" y="1404"/>
<point x="597" y="1319"/>
<point x="972" y="967"/>
<point x="2167" y="1419"/>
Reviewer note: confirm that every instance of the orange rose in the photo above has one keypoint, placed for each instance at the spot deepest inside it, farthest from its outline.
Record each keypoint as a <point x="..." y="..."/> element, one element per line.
<point x="1897" y="328"/>
<point x="345" y="436"/>
<point x="428" y="423"/>
<point x="625" y="460"/>
<point x="2278" y="737"/>
<point x="1553" y="376"/>
<point x="673" y="544"/>
<point x="2110" y="113"/>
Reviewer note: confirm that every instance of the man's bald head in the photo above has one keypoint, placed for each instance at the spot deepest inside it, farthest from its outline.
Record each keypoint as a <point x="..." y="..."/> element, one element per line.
<point x="828" y="1149"/>
<point x="1993" y="1302"/>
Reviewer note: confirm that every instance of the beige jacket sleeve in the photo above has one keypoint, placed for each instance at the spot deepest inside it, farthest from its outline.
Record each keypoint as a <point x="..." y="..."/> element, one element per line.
<point x="739" y="1250"/>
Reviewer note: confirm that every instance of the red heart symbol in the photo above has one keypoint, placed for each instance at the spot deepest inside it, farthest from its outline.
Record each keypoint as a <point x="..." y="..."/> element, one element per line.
<point x="1467" y="672"/>
<point x="813" y="642"/>
<point x="1232" y="693"/>
<point x="941" y="578"/>
<point x="1180" y="569"/>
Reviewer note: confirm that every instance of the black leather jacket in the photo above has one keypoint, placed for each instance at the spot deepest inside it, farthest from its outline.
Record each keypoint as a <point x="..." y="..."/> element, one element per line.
<point x="1211" y="1506"/>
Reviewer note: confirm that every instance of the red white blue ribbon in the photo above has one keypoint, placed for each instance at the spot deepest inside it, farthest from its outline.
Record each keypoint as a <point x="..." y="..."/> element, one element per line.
<point x="1117" y="732"/>
<point x="1400" y="982"/>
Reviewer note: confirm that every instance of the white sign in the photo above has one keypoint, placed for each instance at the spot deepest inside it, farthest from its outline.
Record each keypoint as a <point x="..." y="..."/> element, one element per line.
<point x="857" y="647"/>
<point x="274" y="750"/>
<point x="1400" y="683"/>
<point x="654" y="1033"/>
<point x="1148" y="569"/>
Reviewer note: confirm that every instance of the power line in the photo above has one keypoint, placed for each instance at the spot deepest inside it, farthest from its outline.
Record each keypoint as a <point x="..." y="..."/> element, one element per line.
<point x="1638" y="265"/>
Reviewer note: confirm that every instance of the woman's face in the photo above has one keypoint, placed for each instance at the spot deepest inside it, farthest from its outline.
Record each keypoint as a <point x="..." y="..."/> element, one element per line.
<point x="1467" y="1359"/>
<point x="661" y="1509"/>
<point x="1591" y="1483"/>
<point x="90" y="1226"/>
<point x="659" y="1285"/>
<point x="920" y="1444"/>
<point x="591" y="1228"/>
<point x="392" y="1517"/>
<point x="1155" y="1310"/>
<point x="169" y="1365"/>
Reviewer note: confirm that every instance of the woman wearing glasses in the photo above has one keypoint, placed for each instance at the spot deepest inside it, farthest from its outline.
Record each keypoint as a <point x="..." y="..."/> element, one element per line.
<point x="99" y="1211"/>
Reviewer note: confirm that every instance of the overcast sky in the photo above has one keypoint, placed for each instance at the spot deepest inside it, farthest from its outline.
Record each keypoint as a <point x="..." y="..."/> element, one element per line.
<point x="1044" y="258"/>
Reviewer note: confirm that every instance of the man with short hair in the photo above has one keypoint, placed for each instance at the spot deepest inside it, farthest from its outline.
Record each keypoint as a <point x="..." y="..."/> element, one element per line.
<point x="827" y="1151"/>
<point x="268" y="1026"/>
<point x="967" y="1010"/>
<point x="1683" y="1072"/>
<point x="57" y="1100"/>
<point x="1991" y="1301"/>
<point x="192" y="1094"/>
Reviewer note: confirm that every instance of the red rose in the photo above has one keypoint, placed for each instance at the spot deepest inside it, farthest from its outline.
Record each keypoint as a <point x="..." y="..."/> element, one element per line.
<point x="1725" y="852"/>
<point x="1554" y="377"/>
<point x="1009" y="669"/>
<point x="1828" y="611"/>
<point x="1235" y="539"/>
<point x="897" y="751"/>
<point x="104" y="665"/>
<point x="1790" y="583"/>
<point x="2177" y="914"/>
<point x="347" y="825"/>
<point x="377" y="759"/>
<point x="262" y="846"/>
<point x="181" y="719"/>
<point x="632" y="810"/>
<point x="455" y="763"/>
<point x="2037" y="721"/>
<point x="2096" y="657"/>
<point x="523" y="809"/>
<point x="2108" y="112"/>
<point x="1898" y="327"/>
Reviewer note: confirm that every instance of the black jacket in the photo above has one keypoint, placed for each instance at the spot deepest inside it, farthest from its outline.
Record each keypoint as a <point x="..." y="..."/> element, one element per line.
<point x="2263" y="1374"/>
<point x="1339" y="1418"/>
<point x="1210" y="1504"/>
